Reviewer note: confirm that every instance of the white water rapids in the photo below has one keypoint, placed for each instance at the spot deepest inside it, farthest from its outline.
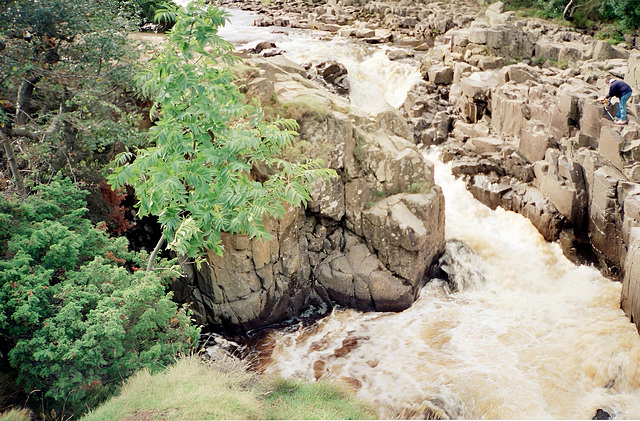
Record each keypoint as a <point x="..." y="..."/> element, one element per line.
<point x="537" y="338"/>
<point x="528" y="336"/>
<point x="376" y="81"/>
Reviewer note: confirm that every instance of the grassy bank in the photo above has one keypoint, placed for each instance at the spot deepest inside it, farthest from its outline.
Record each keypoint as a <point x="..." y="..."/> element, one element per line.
<point x="194" y="390"/>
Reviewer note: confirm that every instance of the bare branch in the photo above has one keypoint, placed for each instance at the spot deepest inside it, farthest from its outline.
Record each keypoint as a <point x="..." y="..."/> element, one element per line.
<point x="54" y="126"/>
<point x="566" y="15"/>
<point x="152" y="258"/>
<point x="6" y="141"/>
<point x="23" y="132"/>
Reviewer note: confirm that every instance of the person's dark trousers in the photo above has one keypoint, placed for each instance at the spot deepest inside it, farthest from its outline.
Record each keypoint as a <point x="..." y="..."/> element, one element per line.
<point x="622" y="107"/>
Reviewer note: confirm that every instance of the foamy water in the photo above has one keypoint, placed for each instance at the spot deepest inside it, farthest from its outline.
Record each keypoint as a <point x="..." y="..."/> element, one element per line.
<point x="537" y="338"/>
<point x="376" y="82"/>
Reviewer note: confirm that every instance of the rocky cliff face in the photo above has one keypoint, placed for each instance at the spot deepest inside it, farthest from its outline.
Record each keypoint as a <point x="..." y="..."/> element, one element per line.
<point x="514" y="104"/>
<point x="366" y="239"/>
<point x="533" y="139"/>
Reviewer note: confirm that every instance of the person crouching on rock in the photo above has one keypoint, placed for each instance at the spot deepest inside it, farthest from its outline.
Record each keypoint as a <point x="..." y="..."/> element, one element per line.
<point x="621" y="90"/>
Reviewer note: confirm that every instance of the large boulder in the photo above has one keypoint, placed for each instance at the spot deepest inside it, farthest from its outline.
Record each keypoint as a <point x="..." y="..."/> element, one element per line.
<point x="255" y="283"/>
<point x="605" y="220"/>
<point x="601" y="50"/>
<point x="335" y="75"/>
<point x="369" y="234"/>
<point x="509" y="109"/>
<point x="534" y="141"/>
<point x="405" y="236"/>
<point x="475" y="101"/>
<point x="633" y="72"/>
<point x="610" y="146"/>
<point x="407" y="232"/>
<point x="561" y="180"/>
<point x="535" y="206"/>
<point x="357" y="279"/>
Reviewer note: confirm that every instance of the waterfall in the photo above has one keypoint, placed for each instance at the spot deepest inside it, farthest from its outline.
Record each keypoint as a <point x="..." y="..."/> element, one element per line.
<point x="377" y="82"/>
<point x="519" y="332"/>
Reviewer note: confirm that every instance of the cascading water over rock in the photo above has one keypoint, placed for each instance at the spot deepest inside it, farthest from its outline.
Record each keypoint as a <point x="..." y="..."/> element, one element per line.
<point x="518" y="331"/>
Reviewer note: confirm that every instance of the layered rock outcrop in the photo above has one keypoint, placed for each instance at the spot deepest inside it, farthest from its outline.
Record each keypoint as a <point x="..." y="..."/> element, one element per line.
<point x="532" y="139"/>
<point x="367" y="237"/>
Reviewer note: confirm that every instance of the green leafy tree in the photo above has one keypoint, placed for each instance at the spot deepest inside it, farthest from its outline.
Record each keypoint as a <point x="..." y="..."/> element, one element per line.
<point x="78" y="314"/>
<point x="627" y="11"/>
<point x="147" y="9"/>
<point x="197" y="175"/>
<point x="65" y="76"/>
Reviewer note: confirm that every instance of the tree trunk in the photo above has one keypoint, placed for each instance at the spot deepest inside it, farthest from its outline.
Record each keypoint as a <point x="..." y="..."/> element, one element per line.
<point x="6" y="142"/>
<point x="567" y="14"/>
<point x="24" y="99"/>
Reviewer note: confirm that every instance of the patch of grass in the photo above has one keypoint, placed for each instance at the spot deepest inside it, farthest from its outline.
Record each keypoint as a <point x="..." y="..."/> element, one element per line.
<point x="560" y="64"/>
<point x="611" y="34"/>
<point x="187" y="390"/>
<point x="295" y="109"/>
<point x="538" y="61"/>
<point x="15" y="415"/>
<point x="191" y="389"/>
<point x="420" y="188"/>
<point x="305" y="105"/>
<point x="532" y="12"/>
<point x="301" y="150"/>
<point x="321" y="400"/>
<point x="582" y="21"/>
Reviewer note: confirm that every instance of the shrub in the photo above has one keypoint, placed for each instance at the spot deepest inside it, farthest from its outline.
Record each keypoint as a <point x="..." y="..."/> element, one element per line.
<point x="79" y="314"/>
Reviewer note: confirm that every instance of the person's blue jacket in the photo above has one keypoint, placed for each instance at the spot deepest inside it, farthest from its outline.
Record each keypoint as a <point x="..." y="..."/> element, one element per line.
<point x="618" y="88"/>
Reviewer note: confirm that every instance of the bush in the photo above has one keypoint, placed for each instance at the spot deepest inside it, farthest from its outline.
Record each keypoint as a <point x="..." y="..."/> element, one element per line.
<point x="79" y="313"/>
<point x="196" y="174"/>
<point x="627" y="11"/>
<point x="146" y="9"/>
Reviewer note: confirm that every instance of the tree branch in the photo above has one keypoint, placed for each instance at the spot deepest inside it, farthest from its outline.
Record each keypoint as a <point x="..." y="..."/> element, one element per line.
<point x="24" y="99"/>
<point x="23" y="132"/>
<point x="565" y="14"/>
<point x="54" y="126"/>
<point x="6" y="142"/>
<point x="152" y="258"/>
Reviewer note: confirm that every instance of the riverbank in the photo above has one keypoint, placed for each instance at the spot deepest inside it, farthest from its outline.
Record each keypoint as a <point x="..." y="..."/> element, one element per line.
<point x="193" y="389"/>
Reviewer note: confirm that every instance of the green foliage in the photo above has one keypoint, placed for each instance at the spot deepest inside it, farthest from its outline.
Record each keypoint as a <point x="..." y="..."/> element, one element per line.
<point x="586" y="13"/>
<point x="148" y="9"/>
<point x="80" y="62"/>
<point x="166" y="15"/>
<point x="80" y="317"/>
<point x="611" y="34"/>
<point x="626" y="11"/>
<point x="197" y="176"/>
<point x="582" y="21"/>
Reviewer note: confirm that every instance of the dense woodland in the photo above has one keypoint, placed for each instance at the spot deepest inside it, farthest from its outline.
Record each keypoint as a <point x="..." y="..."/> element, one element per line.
<point x="83" y="166"/>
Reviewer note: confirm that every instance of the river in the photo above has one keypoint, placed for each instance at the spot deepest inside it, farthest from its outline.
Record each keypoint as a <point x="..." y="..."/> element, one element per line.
<point x="527" y="335"/>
